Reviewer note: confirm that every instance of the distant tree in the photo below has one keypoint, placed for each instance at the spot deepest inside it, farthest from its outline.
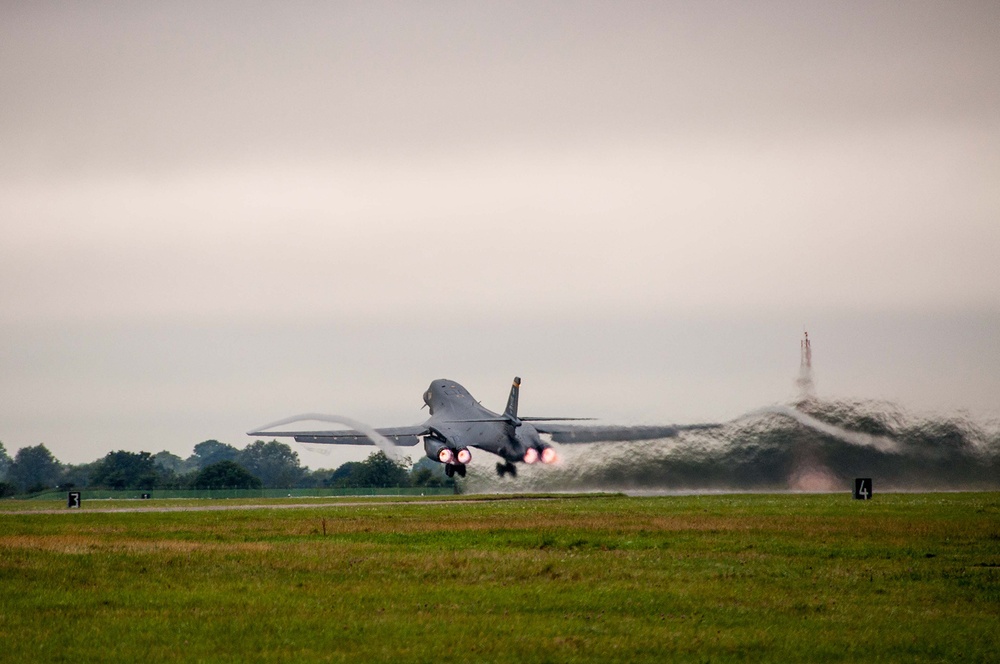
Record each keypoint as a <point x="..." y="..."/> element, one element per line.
<point x="377" y="470"/>
<point x="210" y="452"/>
<point x="34" y="469"/>
<point x="424" y="477"/>
<point x="172" y="472"/>
<point x="276" y="464"/>
<point x="429" y="473"/>
<point x="170" y="462"/>
<point x="341" y="476"/>
<point x="5" y="462"/>
<point x="226" y="475"/>
<point x="312" y="479"/>
<point x="78" y="475"/>
<point x="7" y="489"/>
<point x="125" y="470"/>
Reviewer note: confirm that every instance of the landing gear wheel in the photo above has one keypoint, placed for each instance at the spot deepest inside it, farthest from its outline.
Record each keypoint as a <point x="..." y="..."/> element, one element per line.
<point x="460" y="469"/>
<point x="504" y="468"/>
<point x="449" y="470"/>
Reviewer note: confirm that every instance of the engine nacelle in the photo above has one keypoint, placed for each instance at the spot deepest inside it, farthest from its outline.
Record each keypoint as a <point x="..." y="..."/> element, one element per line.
<point x="438" y="450"/>
<point x="464" y="456"/>
<point x="529" y="443"/>
<point x="541" y="452"/>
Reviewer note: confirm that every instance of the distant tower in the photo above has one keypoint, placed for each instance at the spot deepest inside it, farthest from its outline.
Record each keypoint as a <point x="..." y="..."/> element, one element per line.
<point x="805" y="379"/>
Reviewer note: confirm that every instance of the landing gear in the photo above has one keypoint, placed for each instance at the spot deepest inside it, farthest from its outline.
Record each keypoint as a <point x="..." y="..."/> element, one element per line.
<point x="451" y="468"/>
<point x="504" y="468"/>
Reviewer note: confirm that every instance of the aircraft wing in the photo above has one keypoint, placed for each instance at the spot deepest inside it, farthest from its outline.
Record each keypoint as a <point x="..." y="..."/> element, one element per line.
<point x="403" y="436"/>
<point x="572" y="433"/>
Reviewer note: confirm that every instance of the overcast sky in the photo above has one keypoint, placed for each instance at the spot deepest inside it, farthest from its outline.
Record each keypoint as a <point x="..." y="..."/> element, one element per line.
<point x="214" y="215"/>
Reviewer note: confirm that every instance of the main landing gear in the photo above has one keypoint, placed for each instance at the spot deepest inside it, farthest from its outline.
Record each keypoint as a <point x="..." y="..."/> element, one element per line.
<point x="504" y="468"/>
<point x="450" y="469"/>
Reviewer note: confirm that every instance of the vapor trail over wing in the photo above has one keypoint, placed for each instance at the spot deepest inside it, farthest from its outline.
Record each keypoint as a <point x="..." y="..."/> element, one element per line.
<point x="386" y="438"/>
<point x="859" y="438"/>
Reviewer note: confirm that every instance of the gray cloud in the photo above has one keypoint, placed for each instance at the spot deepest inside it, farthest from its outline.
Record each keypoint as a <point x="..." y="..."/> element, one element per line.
<point x="565" y="190"/>
<point x="146" y="87"/>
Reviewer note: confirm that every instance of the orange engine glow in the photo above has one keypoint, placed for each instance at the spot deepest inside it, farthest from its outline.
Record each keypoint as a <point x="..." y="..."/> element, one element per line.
<point x="464" y="455"/>
<point x="531" y="456"/>
<point x="549" y="455"/>
<point x="446" y="456"/>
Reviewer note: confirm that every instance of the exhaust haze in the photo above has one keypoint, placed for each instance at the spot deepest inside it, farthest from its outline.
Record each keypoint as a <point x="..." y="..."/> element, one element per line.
<point x="816" y="446"/>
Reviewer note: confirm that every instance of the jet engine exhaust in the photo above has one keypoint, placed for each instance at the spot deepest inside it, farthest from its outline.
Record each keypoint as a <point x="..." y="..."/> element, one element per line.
<point x="813" y="445"/>
<point x="531" y="456"/>
<point x="549" y="455"/>
<point x="464" y="456"/>
<point x="446" y="455"/>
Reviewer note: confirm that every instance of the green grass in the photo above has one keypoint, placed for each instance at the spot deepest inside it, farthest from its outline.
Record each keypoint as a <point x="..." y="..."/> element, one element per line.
<point x="905" y="577"/>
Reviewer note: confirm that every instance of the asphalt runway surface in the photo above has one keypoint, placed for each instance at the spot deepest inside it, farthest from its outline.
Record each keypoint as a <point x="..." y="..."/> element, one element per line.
<point x="276" y="506"/>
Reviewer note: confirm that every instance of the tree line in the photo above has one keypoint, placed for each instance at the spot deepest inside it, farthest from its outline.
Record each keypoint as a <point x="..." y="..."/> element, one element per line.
<point x="212" y="465"/>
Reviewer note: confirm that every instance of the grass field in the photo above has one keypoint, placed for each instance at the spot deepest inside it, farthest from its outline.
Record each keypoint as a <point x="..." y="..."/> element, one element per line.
<point x="904" y="577"/>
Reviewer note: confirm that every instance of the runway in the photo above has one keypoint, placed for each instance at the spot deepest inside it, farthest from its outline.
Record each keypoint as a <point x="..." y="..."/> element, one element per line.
<point x="276" y="506"/>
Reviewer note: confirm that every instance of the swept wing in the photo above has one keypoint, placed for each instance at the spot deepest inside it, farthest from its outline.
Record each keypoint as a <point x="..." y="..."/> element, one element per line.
<point x="568" y="433"/>
<point x="359" y="435"/>
<point x="403" y="436"/>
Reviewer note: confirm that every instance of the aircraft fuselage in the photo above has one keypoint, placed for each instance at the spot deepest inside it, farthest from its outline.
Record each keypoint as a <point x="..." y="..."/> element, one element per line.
<point x="459" y="422"/>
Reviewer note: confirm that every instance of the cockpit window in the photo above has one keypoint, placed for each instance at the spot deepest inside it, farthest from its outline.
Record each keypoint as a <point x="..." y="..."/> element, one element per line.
<point x="449" y="390"/>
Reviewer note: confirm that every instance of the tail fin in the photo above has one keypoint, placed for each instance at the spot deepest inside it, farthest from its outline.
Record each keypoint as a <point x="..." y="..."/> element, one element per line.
<point x="511" y="410"/>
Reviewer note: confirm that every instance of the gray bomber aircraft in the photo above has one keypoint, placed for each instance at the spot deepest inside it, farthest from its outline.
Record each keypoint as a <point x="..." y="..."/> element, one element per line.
<point x="457" y="422"/>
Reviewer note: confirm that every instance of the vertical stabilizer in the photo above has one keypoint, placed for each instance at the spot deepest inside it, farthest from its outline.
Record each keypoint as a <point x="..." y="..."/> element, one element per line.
<point x="511" y="410"/>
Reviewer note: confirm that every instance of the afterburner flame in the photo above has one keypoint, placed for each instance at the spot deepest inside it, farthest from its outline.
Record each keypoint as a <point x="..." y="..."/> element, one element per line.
<point x="531" y="456"/>
<point x="549" y="455"/>
<point x="446" y="456"/>
<point x="464" y="455"/>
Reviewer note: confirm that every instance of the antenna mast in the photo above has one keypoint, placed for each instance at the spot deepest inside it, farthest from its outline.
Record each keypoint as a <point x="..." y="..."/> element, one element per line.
<point x="805" y="381"/>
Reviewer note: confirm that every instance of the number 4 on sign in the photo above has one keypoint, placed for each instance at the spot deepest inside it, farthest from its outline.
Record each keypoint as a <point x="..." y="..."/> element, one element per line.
<point x="863" y="488"/>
